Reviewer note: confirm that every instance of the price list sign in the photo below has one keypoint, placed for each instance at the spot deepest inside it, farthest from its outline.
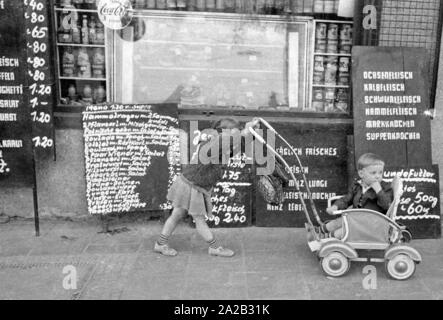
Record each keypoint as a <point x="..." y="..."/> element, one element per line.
<point x="419" y="207"/>
<point x="131" y="156"/>
<point x="323" y="154"/>
<point x="39" y="76"/>
<point x="16" y="166"/>
<point x="231" y="200"/>
<point x="391" y="97"/>
<point x="232" y="195"/>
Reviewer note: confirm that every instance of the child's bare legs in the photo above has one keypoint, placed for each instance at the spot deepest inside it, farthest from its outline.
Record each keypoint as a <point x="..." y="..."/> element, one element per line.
<point x="206" y="233"/>
<point x="203" y="229"/>
<point x="171" y="223"/>
<point x="161" y="245"/>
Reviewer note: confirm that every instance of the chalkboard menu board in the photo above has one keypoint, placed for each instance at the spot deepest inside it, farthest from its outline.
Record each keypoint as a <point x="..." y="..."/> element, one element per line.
<point x="131" y="156"/>
<point x="419" y="208"/>
<point x="391" y="95"/>
<point x="15" y="135"/>
<point x="323" y="153"/>
<point x="40" y="75"/>
<point x="231" y="200"/>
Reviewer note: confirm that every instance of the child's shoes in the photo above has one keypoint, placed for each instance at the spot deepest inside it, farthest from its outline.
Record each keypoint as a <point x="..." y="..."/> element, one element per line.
<point x="165" y="250"/>
<point x="221" y="252"/>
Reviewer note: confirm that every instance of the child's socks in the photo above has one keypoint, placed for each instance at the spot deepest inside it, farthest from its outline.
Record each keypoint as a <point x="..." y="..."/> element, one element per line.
<point x="162" y="240"/>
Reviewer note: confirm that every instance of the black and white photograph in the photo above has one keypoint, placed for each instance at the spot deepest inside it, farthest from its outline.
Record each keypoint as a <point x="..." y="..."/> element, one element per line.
<point x="221" y="156"/>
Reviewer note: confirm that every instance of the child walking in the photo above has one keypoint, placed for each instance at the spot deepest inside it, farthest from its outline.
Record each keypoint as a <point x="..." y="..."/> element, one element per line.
<point x="371" y="192"/>
<point x="191" y="192"/>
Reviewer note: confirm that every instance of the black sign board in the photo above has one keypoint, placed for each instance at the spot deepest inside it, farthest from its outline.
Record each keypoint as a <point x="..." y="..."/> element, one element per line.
<point x="16" y="158"/>
<point x="391" y="97"/>
<point x="131" y="156"/>
<point x="323" y="153"/>
<point x="419" y="208"/>
<point x="231" y="199"/>
<point x="40" y="75"/>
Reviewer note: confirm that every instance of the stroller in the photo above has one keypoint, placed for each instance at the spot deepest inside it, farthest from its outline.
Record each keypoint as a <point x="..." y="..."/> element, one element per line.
<point x="369" y="235"/>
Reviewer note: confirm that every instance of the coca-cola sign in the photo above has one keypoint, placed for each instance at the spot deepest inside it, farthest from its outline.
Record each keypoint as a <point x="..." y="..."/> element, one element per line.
<point x="115" y="14"/>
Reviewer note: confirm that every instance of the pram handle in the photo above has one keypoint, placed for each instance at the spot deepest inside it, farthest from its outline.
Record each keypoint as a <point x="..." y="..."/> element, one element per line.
<point x="270" y="148"/>
<point x="313" y="207"/>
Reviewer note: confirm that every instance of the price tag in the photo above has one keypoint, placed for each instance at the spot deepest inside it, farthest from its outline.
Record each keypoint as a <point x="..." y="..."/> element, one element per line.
<point x="39" y="75"/>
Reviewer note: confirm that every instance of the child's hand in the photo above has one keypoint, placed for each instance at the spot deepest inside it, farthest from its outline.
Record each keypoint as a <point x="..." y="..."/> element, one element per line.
<point x="376" y="186"/>
<point x="332" y="209"/>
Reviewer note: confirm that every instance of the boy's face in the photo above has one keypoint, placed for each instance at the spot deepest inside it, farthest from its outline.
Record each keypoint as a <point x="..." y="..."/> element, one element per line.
<point x="372" y="174"/>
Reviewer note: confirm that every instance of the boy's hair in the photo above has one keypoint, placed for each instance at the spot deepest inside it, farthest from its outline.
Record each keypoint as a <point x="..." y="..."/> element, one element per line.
<point x="225" y="123"/>
<point x="369" y="159"/>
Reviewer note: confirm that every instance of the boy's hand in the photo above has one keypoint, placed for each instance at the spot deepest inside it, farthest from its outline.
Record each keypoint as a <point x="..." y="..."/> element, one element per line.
<point x="332" y="209"/>
<point x="376" y="186"/>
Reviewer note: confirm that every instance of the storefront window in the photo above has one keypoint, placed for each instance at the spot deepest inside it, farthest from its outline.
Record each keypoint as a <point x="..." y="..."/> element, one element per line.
<point x="214" y="61"/>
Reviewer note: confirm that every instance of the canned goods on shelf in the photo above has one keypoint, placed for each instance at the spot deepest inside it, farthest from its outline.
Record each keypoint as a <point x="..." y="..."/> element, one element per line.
<point x="344" y="79"/>
<point x="343" y="64"/>
<point x="333" y="31"/>
<point x="345" y="48"/>
<point x="320" y="45"/>
<point x="332" y="46"/>
<point x="330" y="94"/>
<point x="321" y="31"/>
<point x="331" y="70"/>
<point x="346" y="33"/>
<point x="342" y="95"/>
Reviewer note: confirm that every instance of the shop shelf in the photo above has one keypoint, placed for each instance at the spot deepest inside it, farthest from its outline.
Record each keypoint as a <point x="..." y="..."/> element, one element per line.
<point x="82" y="79"/>
<point x="80" y="45"/>
<point x="333" y="54"/>
<point x="330" y="86"/>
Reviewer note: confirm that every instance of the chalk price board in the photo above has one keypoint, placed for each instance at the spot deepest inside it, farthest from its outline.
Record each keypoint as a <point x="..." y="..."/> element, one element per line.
<point x="40" y="75"/>
<point x="16" y="167"/>
<point x="231" y="200"/>
<point x="323" y="153"/>
<point x="131" y="154"/>
<point x="419" y="208"/>
<point x="391" y="95"/>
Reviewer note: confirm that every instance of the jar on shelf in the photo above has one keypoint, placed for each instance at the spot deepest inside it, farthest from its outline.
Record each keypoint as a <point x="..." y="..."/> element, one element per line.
<point x="72" y="94"/>
<point x="87" y="94"/>
<point x="92" y="30"/>
<point x="68" y="63"/>
<point x="100" y="94"/>
<point x="100" y="33"/>
<point x="64" y="31"/>
<point x="83" y="63"/>
<point x="85" y="30"/>
<point x="76" y="34"/>
<point x="98" y="63"/>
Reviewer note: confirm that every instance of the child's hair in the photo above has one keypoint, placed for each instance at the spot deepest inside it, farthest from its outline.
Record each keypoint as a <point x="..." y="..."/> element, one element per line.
<point x="226" y="123"/>
<point x="369" y="159"/>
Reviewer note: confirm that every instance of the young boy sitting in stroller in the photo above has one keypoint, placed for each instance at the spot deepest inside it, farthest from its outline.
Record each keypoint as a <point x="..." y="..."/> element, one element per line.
<point x="371" y="192"/>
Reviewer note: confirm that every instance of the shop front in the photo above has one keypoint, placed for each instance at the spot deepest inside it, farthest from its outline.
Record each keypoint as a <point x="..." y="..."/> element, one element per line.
<point x="288" y="62"/>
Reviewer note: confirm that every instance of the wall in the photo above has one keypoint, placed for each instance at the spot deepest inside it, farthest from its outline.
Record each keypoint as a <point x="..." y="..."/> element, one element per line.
<point x="437" y="126"/>
<point x="61" y="184"/>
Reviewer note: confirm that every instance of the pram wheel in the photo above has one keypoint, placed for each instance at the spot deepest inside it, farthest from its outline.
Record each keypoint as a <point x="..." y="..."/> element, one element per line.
<point x="401" y="267"/>
<point x="335" y="264"/>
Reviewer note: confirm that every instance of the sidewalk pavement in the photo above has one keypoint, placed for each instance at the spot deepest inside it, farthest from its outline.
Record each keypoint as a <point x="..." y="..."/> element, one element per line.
<point x="269" y="264"/>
